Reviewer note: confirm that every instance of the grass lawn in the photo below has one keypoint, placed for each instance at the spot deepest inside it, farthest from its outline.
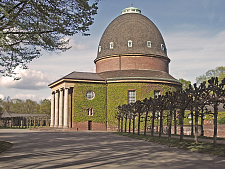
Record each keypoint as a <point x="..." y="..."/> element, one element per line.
<point x="202" y="147"/>
<point x="5" y="145"/>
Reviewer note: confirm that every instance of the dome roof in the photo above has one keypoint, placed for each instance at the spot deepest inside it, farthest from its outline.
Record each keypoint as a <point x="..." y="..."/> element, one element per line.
<point x="136" y="28"/>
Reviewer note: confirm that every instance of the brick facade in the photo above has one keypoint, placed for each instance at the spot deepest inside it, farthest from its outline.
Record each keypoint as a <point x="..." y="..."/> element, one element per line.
<point x="131" y="62"/>
<point x="88" y="125"/>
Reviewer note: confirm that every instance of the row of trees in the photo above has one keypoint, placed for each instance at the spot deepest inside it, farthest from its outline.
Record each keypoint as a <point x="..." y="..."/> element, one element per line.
<point x="194" y="98"/>
<point x="25" y="107"/>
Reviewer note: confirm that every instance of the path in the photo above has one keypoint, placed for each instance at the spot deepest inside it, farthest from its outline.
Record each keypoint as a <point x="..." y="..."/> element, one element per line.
<point x="34" y="149"/>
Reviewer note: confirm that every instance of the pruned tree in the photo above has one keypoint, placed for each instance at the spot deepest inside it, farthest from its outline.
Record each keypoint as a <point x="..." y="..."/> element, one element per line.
<point x="215" y="96"/>
<point x="183" y="100"/>
<point x="171" y="106"/>
<point x="28" y="26"/>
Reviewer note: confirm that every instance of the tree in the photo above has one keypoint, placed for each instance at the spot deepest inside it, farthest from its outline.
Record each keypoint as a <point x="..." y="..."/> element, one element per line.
<point x="45" y="107"/>
<point x="217" y="72"/>
<point x="28" y="26"/>
<point x="216" y="94"/>
<point x="185" y="83"/>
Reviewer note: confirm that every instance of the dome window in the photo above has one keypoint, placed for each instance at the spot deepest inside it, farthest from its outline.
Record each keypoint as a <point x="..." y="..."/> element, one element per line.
<point x="99" y="49"/>
<point x="129" y="43"/>
<point x="111" y="45"/>
<point x="149" y="44"/>
<point x="162" y="47"/>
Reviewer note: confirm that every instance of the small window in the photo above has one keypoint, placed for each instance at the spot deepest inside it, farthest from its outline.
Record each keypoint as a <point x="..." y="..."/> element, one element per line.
<point x="90" y="112"/>
<point x="111" y="45"/>
<point x="149" y="44"/>
<point x="156" y="94"/>
<point x="90" y="95"/>
<point x="189" y="116"/>
<point x="131" y="96"/>
<point x="162" y="47"/>
<point x="129" y="43"/>
<point x="99" y="49"/>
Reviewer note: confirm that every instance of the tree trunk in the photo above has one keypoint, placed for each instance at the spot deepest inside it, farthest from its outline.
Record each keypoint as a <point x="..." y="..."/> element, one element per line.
<point x="139" y="122"/>
<point x="122" y="124"/>
<point x="192" y="122"/>
<point x="196" y="125"/>
<point x="146" y="119"/>
<point x="118" y="125"/>
<point x="126" y="123"/>
<point x="202" y="121"/>
<point x="157" y="127"/>
<point x="129" y="124"/>
<point x="153" y="123"/>
<point x="182" y="125"/>
<point x="175" y="122"/>
<point x="170" y="124"/>
<point x="215" y="124"/>
<point x="161" y="124"/>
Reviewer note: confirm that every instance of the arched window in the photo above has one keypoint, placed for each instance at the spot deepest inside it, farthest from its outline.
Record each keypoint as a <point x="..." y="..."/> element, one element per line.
<point x="99" y="49"/>
<point x="129" y="44"/>
<point x="162" y="47"/>
<point x="111" y="45"/>
<point x="149" y="44"/>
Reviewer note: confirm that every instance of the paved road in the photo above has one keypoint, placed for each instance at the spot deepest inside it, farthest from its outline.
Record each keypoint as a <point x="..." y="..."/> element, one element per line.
<point x="95" y="150"/>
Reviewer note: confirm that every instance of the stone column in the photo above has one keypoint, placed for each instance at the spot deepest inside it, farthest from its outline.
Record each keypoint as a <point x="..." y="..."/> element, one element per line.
<point x="56" y="109"/>
<point x="52" y="110"/>
<point x="61" y="108"/>
<point x="66" y="108"/>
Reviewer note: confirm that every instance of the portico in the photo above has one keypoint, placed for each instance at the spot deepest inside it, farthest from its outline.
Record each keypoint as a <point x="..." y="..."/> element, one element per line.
<point x="60" y="106"/>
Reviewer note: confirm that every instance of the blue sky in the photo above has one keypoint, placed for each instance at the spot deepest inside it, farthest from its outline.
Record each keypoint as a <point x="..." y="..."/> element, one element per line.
<point x="193" y="30"/>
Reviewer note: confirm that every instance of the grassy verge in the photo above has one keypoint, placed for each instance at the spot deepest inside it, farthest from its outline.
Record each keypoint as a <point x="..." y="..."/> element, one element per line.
<point x="202" y="147"/>
<point x="203" y="137"/>
<point x="5" y="145"/>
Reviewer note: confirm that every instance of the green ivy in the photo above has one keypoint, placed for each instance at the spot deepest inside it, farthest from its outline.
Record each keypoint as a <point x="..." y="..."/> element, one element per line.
<point x="117" y="94"/>
<point x="81" y="104"/>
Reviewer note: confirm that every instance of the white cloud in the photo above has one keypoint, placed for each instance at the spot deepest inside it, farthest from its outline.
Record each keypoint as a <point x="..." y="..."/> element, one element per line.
<point x="30" y="79"/>
<point x="193" y="53"/>
<point x="28" y="96"/>
<point x="2" y="96"/>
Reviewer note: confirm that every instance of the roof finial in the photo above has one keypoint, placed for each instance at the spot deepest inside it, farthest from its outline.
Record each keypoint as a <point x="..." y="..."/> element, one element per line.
<point x="131" y="9"/>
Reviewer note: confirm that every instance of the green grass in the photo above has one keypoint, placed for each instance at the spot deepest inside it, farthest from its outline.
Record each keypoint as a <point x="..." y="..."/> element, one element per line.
<point x="202" y="147"/>
<point x="203" y="137"/>
<point x="5" y="145"/>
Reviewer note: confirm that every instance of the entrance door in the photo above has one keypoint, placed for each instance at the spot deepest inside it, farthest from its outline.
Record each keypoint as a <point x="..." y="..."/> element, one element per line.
<point x="89" y="125"/>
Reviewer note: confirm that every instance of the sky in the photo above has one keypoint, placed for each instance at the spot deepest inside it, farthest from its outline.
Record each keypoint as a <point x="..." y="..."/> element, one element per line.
<point x="193" y="31"/>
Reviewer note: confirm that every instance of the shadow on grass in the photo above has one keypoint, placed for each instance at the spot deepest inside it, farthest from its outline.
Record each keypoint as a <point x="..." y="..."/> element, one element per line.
<point x="202" y="147"/>
<point x="5" y="145"/>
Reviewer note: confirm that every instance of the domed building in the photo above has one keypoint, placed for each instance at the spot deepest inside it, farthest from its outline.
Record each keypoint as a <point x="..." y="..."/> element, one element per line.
<point x="131" y="64"/>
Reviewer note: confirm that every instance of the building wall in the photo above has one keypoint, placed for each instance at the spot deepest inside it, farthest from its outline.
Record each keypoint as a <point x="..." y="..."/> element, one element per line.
<point x="117" y="94"/>
<point x="83" y="125"/>
<point x="209" y="130"/>
<point x="131" y="62"/>
<point x="81" y="105"/>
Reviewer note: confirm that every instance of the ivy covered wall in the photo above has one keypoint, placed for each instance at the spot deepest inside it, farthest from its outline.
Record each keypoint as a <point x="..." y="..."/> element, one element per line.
<point x="81" y="104"/>
<point x="117" y="94"/>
